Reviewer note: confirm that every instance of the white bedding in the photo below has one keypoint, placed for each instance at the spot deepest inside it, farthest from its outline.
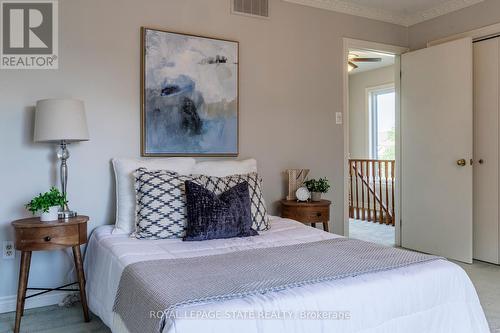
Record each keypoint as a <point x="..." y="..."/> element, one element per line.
<point x="430" y="297"/>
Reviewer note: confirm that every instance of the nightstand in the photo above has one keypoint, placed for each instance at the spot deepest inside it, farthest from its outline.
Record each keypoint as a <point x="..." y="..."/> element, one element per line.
<point x="309" y="212"/>
<point x="33" y="235"/>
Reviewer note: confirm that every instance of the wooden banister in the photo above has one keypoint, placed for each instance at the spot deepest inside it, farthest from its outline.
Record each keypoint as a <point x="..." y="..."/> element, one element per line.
<point x="365" y="175"/>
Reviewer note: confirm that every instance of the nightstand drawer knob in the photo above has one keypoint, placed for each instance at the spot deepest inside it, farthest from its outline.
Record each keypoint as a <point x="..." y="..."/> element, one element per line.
<point x="48" y="238"/>
<point x="318" y="214"/>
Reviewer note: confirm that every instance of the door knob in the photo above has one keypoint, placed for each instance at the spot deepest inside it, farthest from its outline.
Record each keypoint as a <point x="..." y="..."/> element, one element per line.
<point x="481" y="161"/>
<point x="461" y="162"/>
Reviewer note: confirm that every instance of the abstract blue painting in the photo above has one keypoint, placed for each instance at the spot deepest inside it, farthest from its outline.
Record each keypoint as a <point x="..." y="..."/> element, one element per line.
<point x="189" y="95"/>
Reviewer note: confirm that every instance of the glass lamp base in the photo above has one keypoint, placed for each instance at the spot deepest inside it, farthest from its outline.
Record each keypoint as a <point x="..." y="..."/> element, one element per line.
<point x="66" y="214"/>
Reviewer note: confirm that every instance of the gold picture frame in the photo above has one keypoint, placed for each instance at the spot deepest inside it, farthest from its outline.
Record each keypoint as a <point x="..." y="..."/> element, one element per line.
<point x="227" y="115"/>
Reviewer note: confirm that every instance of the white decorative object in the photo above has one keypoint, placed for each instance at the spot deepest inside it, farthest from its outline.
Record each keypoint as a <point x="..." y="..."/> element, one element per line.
<point x="303" y="194"/>
<point x="51" y="215"/>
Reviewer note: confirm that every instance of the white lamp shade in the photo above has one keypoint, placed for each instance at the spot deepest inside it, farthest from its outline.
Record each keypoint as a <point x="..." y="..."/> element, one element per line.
<point x="60" y="119"/>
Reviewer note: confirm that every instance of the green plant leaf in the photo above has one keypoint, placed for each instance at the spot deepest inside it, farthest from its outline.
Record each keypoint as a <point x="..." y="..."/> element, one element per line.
<point x="322" y="185"/>
<point x="44" y="201"/>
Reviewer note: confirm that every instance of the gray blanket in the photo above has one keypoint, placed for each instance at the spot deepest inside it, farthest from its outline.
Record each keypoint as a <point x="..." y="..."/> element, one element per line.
<point x="163" y="285"/>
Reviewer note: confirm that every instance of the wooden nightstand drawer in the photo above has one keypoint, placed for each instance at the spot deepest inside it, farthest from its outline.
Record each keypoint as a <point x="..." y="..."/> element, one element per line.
<point x="49" y="238"/>
<point x="309" y="215"/>
<point x="310" y="212"/>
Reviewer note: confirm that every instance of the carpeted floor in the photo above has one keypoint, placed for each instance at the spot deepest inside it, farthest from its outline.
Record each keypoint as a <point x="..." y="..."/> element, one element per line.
<point x="372" y="232"/>
<point x="53" y="319"/>
<point x="486" y="279"/>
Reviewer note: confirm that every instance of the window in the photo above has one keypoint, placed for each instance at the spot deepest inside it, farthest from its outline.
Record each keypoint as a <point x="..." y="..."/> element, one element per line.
<point x="382" y="111"/>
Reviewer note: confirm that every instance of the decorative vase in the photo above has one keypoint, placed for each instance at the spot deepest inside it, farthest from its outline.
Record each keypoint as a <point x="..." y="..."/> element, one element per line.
<point x="51" y="215"/>
<point x="315" y="196"/>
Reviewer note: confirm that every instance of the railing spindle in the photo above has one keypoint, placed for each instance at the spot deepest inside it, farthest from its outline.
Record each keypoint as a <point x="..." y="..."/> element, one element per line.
<point x="386" y="169"/>
<point x="374" y="192"/>
<point x="392" y="190"/>
<point x="362" y="192"/>
<point x="357" y="189"/>
<point x="380" y="190"/>
<point x="351" y="207"/>
<point x="368" y="166"/>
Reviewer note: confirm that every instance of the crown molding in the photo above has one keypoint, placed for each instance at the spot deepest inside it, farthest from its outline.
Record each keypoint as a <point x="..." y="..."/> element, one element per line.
<point x="343" y="6"/>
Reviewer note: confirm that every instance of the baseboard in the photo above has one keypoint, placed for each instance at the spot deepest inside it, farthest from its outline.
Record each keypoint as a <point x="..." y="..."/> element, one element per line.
<point x="8" y="303"/>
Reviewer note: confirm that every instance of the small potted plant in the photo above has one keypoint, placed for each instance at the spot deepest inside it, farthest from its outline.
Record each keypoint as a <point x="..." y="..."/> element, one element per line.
<point x="317" y="187"/>
<point x="47" y="204"/>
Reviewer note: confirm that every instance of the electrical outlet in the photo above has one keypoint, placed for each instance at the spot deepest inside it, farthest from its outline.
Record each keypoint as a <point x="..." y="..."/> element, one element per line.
<point x="9" y="252"/>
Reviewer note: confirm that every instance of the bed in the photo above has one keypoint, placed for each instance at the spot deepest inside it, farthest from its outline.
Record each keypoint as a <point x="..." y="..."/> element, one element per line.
<point x="435" y="296"/>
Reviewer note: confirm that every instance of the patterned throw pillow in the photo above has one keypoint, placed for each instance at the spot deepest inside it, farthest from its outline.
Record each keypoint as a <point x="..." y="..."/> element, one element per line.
<point x="212" y="216"/>
<point x="219" y="185"/>
<point x="160" y="204"/>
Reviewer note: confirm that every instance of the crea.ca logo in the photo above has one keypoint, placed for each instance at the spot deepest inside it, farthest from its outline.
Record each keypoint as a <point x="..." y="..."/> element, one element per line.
<point x="29" y="34"/>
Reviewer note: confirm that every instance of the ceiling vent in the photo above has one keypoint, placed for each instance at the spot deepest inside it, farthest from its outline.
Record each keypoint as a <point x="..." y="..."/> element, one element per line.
<point x="257" y="8"/>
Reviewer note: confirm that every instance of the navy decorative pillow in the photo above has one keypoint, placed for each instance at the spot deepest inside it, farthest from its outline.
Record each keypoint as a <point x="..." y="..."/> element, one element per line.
<point x="212" y="216"/>
<point x="257" y="203"/>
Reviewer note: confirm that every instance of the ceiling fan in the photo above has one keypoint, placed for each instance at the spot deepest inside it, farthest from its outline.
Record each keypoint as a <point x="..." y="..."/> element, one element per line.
<point x="353" y="58"/>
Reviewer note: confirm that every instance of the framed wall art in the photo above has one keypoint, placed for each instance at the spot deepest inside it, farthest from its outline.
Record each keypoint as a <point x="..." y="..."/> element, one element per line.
<point x="189" y="95"/>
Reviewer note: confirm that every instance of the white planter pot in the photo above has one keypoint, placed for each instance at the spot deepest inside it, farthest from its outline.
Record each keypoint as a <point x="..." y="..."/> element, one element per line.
<point x="316" y="196"/>
<point x="51" y="215"/>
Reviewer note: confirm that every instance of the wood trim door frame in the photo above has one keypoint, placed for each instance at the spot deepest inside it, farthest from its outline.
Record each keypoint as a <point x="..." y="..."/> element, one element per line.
<point x="349" y="43"/>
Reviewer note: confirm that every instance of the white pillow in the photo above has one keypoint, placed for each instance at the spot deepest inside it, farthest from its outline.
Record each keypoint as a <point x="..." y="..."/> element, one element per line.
<point x="125" y="192"/>
<point x="225" y="168"/>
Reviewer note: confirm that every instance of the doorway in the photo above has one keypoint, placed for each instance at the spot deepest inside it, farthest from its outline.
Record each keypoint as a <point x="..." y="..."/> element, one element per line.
<point x="434" y="112"/>
<point x="371" y="107"/>
<point x="372" y="146"/>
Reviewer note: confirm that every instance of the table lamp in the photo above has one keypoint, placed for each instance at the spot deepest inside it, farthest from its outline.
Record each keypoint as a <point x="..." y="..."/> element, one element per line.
<point x="61" y="121"/>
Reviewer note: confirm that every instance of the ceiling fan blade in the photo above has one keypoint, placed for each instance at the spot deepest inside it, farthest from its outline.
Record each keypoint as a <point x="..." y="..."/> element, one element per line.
<point x="366" y="59"/>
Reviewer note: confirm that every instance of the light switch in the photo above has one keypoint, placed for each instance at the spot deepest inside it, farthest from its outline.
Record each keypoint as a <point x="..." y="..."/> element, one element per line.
<point x="338" y="118"/>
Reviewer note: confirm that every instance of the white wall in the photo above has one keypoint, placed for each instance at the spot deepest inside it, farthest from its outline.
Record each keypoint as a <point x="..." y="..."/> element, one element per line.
<point x="290" y="89"/>
<point x="358" y="107"/>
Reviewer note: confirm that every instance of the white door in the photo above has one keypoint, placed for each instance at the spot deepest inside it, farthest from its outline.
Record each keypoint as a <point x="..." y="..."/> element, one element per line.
<point x="436" y="133"/>
<point x="486" y="121"/>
